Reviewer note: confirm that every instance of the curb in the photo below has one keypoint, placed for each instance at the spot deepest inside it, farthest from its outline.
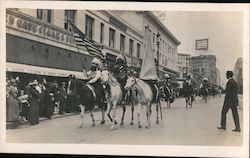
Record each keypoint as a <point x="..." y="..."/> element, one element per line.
<point x="10" y="125"/>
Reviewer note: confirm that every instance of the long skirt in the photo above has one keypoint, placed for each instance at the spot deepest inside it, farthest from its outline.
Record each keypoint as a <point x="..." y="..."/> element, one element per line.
<point x="33" y="113"/>
<point x="12" y="109"/>
<point x="24" y="109"/>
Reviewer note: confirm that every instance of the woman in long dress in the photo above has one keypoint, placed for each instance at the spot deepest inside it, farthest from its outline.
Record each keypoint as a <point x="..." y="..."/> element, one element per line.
<point x="33" y="114"/>
<point x="12" y="104"/>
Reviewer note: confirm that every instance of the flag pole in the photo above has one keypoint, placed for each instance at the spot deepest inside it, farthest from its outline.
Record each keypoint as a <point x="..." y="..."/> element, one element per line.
<point x="84" y="71"/>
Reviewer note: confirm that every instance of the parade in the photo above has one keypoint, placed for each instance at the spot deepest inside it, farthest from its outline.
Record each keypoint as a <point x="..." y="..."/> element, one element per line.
<point x="118" y="77"/>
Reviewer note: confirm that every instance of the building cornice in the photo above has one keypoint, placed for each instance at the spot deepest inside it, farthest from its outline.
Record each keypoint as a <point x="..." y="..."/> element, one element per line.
<point x="150" y="16"/>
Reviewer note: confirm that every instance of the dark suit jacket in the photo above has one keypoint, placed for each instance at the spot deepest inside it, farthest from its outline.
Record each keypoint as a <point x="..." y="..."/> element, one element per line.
<point x="231" y="98"/>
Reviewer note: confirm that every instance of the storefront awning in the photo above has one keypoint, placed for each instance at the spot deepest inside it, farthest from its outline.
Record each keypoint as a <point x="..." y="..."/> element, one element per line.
<point x="30" y="69"/>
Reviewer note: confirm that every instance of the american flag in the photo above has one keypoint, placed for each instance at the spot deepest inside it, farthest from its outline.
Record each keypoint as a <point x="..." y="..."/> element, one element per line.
<point x="82" y="40"/>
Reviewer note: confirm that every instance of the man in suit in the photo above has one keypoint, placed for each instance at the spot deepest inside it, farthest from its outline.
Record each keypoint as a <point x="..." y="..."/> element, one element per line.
<point x="230" y="102"/>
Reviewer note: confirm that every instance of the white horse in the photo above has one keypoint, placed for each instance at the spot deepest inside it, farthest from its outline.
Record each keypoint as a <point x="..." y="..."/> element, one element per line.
<point x="114" y="96"/>
<point x="144" y="97"/>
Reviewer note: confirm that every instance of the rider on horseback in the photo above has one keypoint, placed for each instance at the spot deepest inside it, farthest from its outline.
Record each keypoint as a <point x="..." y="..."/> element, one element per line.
<point x="94" y="76"/>
<point x="168" y="87"/>
<point x="120" y="73"/>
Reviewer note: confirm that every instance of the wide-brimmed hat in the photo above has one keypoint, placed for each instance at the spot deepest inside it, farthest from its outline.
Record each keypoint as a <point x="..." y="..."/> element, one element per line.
<point x="34" y="82"/>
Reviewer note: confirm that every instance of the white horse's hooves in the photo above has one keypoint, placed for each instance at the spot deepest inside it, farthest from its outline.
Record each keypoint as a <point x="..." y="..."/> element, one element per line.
<point x="112" y="128"/>
<point x="147" y="127"/>
<point x="102" y="122"/>
<point x="157" y="122"/>
<point x="131" y="123"/>
<point x="139" y="126"/>
<point x="122" y="123"/>
<point x="115" y="122"/>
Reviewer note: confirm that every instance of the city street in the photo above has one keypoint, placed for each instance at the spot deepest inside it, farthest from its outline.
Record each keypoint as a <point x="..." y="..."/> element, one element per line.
<point x="180" y="126"/>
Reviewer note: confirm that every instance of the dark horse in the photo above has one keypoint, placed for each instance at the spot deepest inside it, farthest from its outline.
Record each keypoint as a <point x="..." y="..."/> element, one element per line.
<point x="188" y="93"/>
<point x="87" y="98"/>
<point x="204" y="92"/>
<point x="167" y="94"/>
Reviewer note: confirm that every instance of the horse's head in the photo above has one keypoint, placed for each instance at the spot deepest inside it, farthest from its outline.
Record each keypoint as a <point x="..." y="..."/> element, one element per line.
<point x="130" y="82"/>
<point x="105" y="76"/>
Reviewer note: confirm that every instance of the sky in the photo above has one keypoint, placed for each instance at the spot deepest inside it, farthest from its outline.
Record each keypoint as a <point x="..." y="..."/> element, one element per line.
<point x="224" y="31"/>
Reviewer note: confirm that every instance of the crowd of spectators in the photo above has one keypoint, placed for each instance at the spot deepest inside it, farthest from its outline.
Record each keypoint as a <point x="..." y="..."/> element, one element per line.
<point x="38" y="99"/>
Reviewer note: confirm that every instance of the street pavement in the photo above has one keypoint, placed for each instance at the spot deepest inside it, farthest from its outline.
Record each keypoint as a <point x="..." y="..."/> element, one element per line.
<point x="180" y="126"/>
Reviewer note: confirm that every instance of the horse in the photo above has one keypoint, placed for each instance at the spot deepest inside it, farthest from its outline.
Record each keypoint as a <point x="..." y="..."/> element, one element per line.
<point x="188" y="94"/>
<point x="167" y="93"/>
<point x="144" y="97"/>
<point x="114" y="96"/>
<point x="86" y="99"/>
<point x="204" y="92"/>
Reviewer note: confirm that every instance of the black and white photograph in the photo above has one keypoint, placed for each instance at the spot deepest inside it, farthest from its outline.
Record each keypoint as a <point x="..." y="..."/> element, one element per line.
<point x="125" y="78"/>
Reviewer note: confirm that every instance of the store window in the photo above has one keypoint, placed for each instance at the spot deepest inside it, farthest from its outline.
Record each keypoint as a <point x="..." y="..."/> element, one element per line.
<point x="122" y="43"/>
<point x="111" y="38"/>
<point x="89" y="27"/>
<point x="44" y="15"/>
<point x="131" y="46"/>
<point x="69" y="16"/>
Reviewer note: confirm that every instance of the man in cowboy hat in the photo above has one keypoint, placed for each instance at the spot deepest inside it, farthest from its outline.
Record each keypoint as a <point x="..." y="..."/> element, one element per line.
<point x="230" y="102"/>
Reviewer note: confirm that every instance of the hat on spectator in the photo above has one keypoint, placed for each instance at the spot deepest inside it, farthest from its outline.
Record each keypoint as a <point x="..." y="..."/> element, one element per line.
<point x="230" y="73"/>
<point x="34" y="82"/>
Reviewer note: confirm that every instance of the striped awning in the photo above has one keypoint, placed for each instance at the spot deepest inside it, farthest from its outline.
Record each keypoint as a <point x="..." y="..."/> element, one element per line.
<point x="31" y="69"/>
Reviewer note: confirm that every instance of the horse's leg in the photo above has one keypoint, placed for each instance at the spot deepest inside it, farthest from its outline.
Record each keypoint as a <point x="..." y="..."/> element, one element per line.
<point x="157" y="111"/>
<point x="113" y="115"/>
<point x="186" y="99"/>
<point x="123" y="113"/>
<point x="148" y="115"/>
<point x="103" y="116"/>
<point x="132" y="110"/>
<point x="92" y="116"/>
<point x="138" y="114"/>
<point x="82" y="114"/>
<point x="108" y="111"/>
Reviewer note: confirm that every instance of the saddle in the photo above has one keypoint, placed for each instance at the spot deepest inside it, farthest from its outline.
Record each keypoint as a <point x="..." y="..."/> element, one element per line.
<point x="155" y="90"/>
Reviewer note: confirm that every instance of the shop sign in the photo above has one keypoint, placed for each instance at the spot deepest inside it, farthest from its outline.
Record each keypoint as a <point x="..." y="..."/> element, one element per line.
<point x="37" y="29"/>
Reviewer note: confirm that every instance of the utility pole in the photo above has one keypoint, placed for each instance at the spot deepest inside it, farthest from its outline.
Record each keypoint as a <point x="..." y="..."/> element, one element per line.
<point x="158" y="51"/>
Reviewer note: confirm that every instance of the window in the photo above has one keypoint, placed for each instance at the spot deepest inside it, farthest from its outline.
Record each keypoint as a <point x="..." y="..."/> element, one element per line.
<point x="111" y="38"/>
<point x="44" y="15"/>
<point x="138" y="50"/>
<point x="131" y="43"/>
<point x="153" y="38"/>
<point x="122" y="42"/>
<point x="102" y="33"/>
<point x="69" y="16"/>
<point x="39" y="13"/>
<point x="89" y="25"/>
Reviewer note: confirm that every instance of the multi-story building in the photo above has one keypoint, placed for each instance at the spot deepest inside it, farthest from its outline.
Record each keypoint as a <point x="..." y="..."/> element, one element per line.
<point x="39" y="41"/>
<point x="218" y="80"/>
<point x="146" y="21"/>
<point x="183" y="65"/>
<point x="203" y="66"/>
<point x="238" y="74"/>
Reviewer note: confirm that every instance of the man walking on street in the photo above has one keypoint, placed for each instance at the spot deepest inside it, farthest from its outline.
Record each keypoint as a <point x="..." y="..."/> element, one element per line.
<point x="230" y="102"/>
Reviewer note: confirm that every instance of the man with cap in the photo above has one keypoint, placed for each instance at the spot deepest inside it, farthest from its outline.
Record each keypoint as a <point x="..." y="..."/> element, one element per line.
<point x="168" y="87"/>
<point x="230" y="102"/>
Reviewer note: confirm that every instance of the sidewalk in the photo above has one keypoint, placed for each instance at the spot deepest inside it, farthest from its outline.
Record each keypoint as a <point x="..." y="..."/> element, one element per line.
<point x="11" y="125"/>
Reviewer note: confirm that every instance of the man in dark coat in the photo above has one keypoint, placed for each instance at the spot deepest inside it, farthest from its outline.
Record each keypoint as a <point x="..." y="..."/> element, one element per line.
<point x="230" y="102"/>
